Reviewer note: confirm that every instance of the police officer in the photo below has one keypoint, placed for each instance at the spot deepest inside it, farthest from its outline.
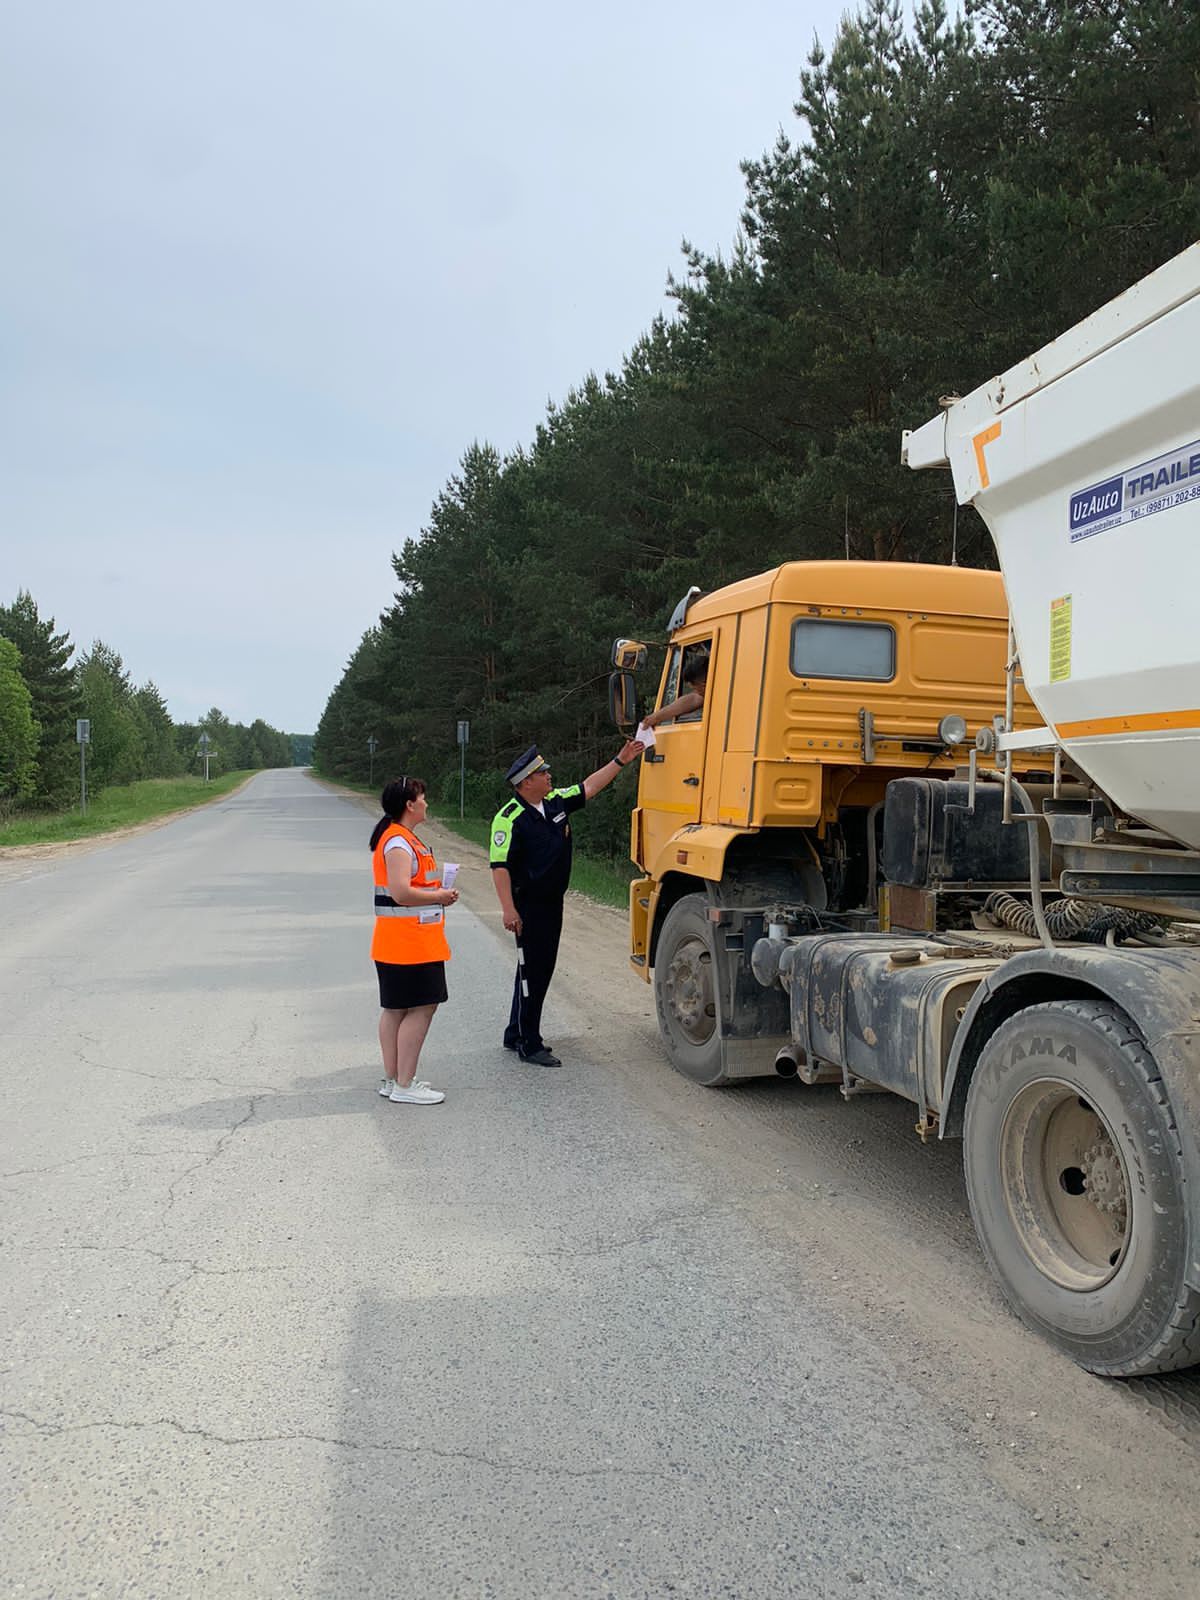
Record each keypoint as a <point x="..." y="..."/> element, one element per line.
<point x="531" y="868"/>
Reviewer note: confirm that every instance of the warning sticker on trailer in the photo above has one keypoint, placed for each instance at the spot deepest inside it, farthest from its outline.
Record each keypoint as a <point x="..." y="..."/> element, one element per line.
<point x="1158" y="485"/>
<point x="1060" y="638"/>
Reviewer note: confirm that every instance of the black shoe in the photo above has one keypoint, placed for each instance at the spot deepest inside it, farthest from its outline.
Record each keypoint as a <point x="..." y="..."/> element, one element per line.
<point x="508" y="1046"/>
<point x="542" y="1058"/>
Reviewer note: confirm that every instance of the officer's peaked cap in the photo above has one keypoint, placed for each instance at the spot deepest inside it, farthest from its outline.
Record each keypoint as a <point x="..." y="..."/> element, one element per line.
<point x="525" y="765"/>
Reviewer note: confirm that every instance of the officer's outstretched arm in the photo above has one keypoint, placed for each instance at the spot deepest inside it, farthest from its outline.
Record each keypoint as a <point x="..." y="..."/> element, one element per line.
<point x="603" y="776"/>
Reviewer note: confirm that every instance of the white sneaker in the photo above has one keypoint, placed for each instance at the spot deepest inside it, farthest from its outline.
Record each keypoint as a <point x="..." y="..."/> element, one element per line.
<point x="416" y="1094"/>
<point x="386" y="1085"/>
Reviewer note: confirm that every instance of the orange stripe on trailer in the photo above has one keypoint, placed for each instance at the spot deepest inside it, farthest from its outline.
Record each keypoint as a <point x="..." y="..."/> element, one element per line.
<point x="981" y="439"/>
<point x="1147" y="722"/>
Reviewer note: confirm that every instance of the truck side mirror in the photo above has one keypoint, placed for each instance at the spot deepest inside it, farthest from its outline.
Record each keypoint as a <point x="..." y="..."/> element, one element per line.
<point x="622" y="701"/>
<point x="629" y="655"/>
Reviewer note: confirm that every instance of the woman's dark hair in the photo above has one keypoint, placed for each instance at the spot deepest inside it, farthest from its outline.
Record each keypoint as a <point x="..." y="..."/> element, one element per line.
<point x="397" y="794"/>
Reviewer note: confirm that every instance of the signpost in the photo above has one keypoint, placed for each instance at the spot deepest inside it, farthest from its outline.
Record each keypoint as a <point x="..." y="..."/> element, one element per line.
<point x="464" y="737"/>
<point x="372" y="746"/>
<point x="205" y="741"/>
<point x="83" y="737"/>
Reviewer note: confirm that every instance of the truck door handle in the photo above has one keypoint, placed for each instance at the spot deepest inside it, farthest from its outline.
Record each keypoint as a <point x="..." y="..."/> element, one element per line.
<point x="693" y="780"/>
<point x="653" y="755"/>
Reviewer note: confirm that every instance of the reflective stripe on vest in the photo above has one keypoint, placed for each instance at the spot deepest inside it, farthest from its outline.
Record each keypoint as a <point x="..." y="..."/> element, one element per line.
<point x="385" y="906"/>
<point x="406" y="935"/>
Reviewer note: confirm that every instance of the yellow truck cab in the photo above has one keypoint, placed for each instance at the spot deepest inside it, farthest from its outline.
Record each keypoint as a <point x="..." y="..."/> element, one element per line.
<point x="826" y="681"/>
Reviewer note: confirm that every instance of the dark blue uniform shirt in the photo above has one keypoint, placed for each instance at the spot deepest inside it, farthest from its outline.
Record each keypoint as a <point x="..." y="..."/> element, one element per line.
<point x="536" y="849"/>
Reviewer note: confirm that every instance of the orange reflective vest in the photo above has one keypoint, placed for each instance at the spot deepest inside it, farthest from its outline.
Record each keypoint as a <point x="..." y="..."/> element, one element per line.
<point x="405" y="935"/>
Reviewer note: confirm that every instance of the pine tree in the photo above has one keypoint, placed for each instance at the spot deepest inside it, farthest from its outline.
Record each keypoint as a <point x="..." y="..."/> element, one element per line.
<point x="222" y="751"/>
<point x="116" y="754"/>
<point x="360" y="709"/>
<point x="161" y="758"/>
<point x="1094" y="176"/>
<point x="827" y="334"/>
<point x="18" y="729"/>
<point x="957" y="193"/>
<point x="45" y="658"/>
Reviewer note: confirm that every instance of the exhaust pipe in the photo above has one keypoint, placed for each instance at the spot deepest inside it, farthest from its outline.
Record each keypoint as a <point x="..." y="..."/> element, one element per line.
<point x="792" y="1062"/>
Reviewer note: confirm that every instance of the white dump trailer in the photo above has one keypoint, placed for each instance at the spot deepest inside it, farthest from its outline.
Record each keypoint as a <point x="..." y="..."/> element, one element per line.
<point x="1025" y="967"/>
<point x="1084" y="461"/>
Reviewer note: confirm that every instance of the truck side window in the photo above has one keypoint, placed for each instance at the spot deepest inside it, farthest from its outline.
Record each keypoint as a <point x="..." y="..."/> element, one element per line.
<point x="827" y="647"/>
<point x="693" y="654"/>
<point x="676" y="684"/>
<point x="670" y="689"/>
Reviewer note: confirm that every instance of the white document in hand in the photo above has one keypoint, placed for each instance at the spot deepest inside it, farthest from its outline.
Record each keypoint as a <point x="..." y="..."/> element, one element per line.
<point x="645" y="736"/>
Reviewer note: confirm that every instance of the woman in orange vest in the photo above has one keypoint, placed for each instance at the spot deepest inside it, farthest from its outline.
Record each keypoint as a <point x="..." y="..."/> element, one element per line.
<point x="409" y="944"/>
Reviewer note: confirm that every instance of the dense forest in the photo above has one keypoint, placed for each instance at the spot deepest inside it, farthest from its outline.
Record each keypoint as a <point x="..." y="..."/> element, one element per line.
<point x="43" y="691"/>
<point x="959" y="190"/>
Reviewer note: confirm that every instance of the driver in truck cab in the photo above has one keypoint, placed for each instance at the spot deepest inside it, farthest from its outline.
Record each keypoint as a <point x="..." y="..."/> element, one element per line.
<point x="695" y="676"/>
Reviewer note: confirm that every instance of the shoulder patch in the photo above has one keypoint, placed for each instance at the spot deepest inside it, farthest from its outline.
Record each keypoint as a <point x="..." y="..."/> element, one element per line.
<point x="501" y="842"/>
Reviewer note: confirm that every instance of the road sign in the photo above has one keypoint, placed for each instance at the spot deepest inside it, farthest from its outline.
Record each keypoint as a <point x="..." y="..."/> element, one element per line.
<point x="464" y="735"/>
<point x="83" y="737"/>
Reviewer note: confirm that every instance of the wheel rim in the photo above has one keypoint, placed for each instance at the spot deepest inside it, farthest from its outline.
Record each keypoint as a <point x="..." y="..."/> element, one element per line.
<point x="1066" y="1185"/>
<point x="689" y="991"/>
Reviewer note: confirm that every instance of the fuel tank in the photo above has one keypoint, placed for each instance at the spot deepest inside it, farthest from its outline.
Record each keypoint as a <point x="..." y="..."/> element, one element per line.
<point x="884" y="1008"/>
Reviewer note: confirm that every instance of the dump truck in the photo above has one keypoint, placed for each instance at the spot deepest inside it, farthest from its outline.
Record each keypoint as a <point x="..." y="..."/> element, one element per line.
<point x="937" y="832"/>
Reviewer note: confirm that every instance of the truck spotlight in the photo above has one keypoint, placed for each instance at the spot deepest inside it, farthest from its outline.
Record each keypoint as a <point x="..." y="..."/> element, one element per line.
<point x="952" y="730"/>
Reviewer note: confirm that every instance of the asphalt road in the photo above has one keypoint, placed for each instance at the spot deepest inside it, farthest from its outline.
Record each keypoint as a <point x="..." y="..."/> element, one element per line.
<point x="592" y="1332"/>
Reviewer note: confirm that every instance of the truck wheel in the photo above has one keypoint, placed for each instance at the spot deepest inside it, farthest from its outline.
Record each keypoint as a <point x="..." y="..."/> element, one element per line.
<point x="687" y="992"/>
<point x="1077" y="1190"/>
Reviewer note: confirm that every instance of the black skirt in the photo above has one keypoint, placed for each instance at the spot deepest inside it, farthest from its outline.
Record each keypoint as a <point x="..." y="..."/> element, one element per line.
<point x="415" y="983"/>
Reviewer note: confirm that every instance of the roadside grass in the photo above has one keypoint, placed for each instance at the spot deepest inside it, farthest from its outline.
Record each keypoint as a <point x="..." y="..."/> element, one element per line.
<point x="113" y="808"/>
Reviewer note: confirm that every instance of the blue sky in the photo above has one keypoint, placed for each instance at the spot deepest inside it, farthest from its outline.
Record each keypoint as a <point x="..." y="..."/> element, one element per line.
<point x="270" y="268"/>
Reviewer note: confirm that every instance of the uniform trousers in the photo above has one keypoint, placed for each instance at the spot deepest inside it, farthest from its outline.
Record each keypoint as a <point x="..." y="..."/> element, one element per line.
<point x="537" y="951"/>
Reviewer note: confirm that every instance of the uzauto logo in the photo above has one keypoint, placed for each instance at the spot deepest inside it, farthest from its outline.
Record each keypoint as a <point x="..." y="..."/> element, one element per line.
<point x="1100" y="500"/>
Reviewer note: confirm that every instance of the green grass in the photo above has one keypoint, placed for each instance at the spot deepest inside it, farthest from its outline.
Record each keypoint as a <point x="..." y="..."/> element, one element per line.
<point x="122" y="807"/>
<point x="599" y="879"/>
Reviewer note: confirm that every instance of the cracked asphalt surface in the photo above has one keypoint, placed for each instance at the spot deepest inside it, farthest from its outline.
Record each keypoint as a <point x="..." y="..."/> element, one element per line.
<point x="581" y="1333"/>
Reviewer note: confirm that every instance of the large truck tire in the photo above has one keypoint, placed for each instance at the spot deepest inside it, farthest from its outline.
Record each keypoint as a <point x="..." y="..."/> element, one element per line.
<point x="1077" y="1188"/>
<point x="687" y="992"/>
